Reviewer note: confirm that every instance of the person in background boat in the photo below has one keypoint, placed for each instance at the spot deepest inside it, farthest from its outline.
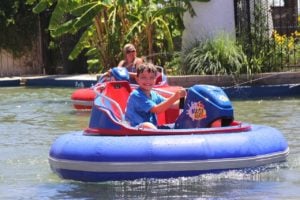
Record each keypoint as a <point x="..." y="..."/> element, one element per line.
<point x="130" y="61"/>
<point x="144" y="103"/>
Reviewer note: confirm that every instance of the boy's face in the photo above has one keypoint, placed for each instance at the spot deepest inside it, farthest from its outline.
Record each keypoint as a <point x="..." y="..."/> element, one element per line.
<point x="146" y="80"/>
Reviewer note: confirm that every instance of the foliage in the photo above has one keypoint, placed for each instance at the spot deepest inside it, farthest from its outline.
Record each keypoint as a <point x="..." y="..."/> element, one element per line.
<point x="173" y="67"/>
<point x="219" y="55"/>
<point x="267" y="50"/>
<point x="18" y="26"/>
<point x="108" y="25"/>
<point x="286" y="49"/>
<point x="256" y="40"/>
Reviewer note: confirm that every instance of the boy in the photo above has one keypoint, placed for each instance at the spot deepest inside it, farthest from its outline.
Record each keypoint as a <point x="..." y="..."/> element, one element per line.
<point x="144" y="103"/>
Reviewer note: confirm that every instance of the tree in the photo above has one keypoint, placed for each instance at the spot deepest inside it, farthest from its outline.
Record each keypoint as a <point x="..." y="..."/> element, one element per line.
<point x="107" y="25"/>
<point x="18" y="26"/>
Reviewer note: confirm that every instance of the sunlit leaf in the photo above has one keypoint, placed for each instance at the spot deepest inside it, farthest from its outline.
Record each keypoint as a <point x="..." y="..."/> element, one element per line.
<point x="41" y="6"/>
<point x="87" y="17"/>
<point x="82" y="44"/>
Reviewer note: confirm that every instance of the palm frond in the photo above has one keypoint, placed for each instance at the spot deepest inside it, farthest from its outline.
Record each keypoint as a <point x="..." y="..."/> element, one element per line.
<point x="87" y="17"/>
<point x="82" y="44"/>
<point x="42" y="5"/>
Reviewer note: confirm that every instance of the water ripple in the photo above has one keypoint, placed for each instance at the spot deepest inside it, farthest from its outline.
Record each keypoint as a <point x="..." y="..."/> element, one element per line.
<point x="31" y="119"/>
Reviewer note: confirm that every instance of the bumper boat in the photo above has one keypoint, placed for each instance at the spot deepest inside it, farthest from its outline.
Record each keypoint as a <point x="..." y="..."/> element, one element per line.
<point x="202" y="138"/>
<point x="83" y="98"/>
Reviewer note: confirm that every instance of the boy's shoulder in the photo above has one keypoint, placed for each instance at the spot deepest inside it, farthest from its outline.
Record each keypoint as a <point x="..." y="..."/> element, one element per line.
<point x="136" y="92"/>
<point x="155" y="94"/>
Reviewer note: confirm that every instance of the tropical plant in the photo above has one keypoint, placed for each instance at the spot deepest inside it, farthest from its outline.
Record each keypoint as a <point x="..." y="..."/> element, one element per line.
<point x="108" y="25"/>
<point x="150" y="28"/>
<point x="70" y="17"/>
<point x="18" y="27"/>
<point x="173" y="66"/>
<point x="219" y="55"/>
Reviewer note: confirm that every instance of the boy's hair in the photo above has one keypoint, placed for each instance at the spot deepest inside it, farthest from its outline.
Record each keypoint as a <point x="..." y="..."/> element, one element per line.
<point x="149" y="67"/>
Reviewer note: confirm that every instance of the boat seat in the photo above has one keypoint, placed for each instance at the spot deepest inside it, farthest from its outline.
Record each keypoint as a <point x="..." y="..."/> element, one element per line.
<point x="158" y="79"/>
<point x="118" y="91"/>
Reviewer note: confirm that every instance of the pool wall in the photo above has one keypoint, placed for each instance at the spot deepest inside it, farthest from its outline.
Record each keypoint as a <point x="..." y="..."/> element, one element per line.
<point x="9" y="82"/>
<point x="266" y="85"/>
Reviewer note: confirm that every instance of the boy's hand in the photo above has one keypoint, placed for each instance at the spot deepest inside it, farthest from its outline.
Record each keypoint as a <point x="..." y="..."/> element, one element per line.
<point x="180" y="93"/>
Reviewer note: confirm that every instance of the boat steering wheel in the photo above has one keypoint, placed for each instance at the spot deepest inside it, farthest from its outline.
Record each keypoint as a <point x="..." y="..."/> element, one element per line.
<point x="181" y="102"/>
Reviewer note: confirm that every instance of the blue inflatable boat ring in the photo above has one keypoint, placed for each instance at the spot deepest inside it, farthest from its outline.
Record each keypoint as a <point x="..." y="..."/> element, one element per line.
<point x="203" y="138"/>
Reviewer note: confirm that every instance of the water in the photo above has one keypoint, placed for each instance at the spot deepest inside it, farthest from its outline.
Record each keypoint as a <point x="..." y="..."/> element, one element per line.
<point x="31" y="119"/>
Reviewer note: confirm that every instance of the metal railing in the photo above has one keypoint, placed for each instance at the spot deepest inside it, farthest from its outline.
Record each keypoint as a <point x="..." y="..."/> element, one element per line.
<point x="267" y="30"/>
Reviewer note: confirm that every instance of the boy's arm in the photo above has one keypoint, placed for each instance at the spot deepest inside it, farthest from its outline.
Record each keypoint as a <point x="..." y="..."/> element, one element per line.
<point x="170" y="102"/>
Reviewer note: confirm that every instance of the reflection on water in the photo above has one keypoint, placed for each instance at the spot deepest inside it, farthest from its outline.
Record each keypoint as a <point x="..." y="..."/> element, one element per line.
<point x="31" y="119"/>
<point x="228" y="185"/>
